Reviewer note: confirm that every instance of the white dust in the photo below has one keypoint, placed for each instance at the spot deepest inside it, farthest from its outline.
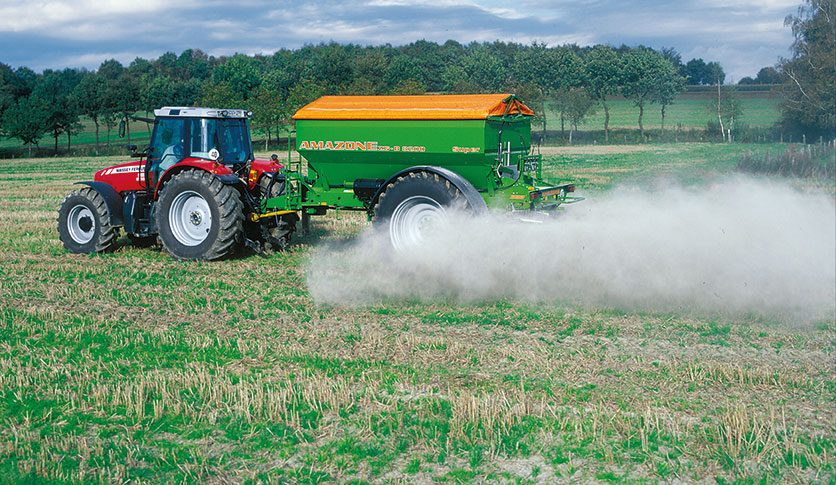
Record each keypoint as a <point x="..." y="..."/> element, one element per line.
<point x="742" y="246"/>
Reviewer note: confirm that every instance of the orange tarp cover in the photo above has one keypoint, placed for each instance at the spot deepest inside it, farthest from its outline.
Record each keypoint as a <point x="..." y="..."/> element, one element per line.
<point x="427" y="107"/>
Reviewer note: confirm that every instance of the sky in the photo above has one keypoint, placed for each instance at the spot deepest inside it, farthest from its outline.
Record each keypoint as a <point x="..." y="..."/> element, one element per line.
<point x="743" y="35"/>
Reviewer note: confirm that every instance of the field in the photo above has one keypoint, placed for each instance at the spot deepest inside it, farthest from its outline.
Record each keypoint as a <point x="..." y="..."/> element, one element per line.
<point x="87" y="136"/>
<point x="132" y="366"/>
<point x="689" y="111"/>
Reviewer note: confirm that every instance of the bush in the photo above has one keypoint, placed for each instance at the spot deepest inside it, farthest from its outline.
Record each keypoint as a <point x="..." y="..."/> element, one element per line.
<point x="809" y="161"/>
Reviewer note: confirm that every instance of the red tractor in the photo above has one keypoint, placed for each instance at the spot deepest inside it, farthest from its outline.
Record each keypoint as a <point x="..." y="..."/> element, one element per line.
<point x="197" y="188"/>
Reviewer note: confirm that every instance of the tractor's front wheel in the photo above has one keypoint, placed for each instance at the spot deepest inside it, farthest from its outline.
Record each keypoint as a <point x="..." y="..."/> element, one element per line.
<point x="414" y="207"/>
<point x="199" y="217"/>
<point x="84" y="223"/>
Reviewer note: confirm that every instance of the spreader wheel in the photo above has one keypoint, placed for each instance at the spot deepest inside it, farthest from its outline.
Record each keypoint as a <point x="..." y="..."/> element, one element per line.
<point x="414" y="207"/>
<point x="198" y="217"/>
<point x="84" y="223"/>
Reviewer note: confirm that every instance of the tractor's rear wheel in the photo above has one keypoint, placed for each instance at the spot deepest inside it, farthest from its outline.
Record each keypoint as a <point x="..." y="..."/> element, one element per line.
<point x="415" y="206"/>
<point x="199" y="217"/>
<point x="84" y="223"/>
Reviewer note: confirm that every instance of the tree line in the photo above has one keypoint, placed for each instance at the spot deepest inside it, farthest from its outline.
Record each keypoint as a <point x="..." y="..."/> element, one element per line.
<point x="574" y="79"/>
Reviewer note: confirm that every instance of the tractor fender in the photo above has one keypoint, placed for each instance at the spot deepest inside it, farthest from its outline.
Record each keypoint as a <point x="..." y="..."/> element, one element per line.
<point x="111" y="198"/>
<point x="471" y="195"/>
<point x="228" y="178"/>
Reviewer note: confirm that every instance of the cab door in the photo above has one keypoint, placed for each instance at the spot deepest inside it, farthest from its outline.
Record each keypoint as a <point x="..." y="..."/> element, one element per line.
<point x="168" y="148"/>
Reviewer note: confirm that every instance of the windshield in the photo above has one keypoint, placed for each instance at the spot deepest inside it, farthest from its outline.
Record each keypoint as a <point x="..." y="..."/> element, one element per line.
<point x="176" y="138"/>
<point x="230" y="137"/>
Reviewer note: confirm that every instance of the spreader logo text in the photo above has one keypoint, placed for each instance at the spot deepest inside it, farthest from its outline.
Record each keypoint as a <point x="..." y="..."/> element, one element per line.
<point x="361" y="146"/>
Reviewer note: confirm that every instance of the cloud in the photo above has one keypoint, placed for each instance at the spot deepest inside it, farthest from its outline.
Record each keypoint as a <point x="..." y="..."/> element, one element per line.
<point x="749" y="34"/>
<point x="38" y="15"/>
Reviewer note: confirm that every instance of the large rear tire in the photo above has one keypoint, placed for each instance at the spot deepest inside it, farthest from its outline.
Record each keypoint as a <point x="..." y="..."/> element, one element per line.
<point x="415" y="206"/>
<point x="84" y="223"/>
<point x="199" y="217"/>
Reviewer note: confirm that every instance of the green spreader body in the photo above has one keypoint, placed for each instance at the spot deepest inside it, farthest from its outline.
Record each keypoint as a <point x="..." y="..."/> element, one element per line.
<point x="355" y="145"/>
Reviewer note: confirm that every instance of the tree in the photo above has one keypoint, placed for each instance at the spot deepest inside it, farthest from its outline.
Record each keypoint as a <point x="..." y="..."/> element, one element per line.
<point x="809" y="94"/>
<point x="603" y="77"/>
<point x="122" y="99"/>
<point x="696" y="72"/>
<point x="550" y="69"/>
<point x="728" y="108"/>
<point x="369" y="72"/>
<point x="26" y="120"/>
<point x="269" y="105"/>
<point x="579" y="106"/>
<point x="111" y="69"/>
<point x="333" y="67"/>
<point x="669" y="85"/>
<point x="219" y="95"/>
<point x="483" y="69"/>
<point x="303" y="93"/>
<point x="456" y="80"/>
<point x="406" y="87"/>
<point x="240" y="73"/>
<point x="645" y="70"/>
<point x="714" y="74"/>
<point x="61" y="114"/>
<point x="403" y="68"/>
<point x="768" y="75"/>
<point x="675" y="58"/>
<point x="533" y="97"/>
<point x="155" y="92"/>
<point x="89" y="97"/>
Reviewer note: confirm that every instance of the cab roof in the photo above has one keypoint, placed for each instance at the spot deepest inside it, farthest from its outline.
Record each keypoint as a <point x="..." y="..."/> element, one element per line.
<point x="424" y="107"/>
<point x="188" y="112"/>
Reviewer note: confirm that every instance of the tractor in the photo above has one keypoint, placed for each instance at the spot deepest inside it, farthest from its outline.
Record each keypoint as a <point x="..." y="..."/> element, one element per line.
<point x="403" y="160"/>
<point x="197" y="188"/>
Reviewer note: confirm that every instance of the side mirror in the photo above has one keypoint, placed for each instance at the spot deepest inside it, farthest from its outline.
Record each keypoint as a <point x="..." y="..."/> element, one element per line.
<point x="131" y="148"/>
<point x="122" y="129"/>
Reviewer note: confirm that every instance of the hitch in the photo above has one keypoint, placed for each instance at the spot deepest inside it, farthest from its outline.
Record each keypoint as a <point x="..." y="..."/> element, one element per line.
<point x="257" y="217"/>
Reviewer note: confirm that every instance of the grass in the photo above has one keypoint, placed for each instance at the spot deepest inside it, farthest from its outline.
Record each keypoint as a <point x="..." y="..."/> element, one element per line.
<point x="131" y="366"/>
<point x="87" y="136"/>
<point x="688" y="111"/>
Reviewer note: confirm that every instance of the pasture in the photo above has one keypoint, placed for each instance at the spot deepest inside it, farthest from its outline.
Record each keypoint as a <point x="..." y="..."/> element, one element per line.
<point x="132" y="366"/>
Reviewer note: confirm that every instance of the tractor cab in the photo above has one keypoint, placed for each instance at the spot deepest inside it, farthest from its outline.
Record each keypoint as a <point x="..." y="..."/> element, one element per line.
<point x="219" y="136"/>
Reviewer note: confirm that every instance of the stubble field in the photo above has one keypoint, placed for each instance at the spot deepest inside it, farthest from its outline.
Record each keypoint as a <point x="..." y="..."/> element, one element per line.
<point x="133" y="366"/>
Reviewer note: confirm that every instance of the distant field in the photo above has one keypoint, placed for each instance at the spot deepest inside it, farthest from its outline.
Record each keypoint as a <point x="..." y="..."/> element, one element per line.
<point x="690" y="111"/>
<point x="130" y="366"/>
<point x="87" y="136"/>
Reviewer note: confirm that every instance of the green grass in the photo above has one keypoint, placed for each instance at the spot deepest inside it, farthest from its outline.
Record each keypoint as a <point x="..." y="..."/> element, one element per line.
<point x="132" y="366"/>
<point x="687" y="112"/>
<point x="87" y="136"/>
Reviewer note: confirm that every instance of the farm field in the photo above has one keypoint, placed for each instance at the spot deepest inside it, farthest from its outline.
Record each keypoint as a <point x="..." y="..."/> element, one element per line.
<point x="132" y="366"/>
<point x="689" y="111"/>
<point x="87" y="136"/>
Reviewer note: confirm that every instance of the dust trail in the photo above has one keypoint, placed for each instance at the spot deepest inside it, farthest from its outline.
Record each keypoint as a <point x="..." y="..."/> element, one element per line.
<point x="741" y="246"/>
